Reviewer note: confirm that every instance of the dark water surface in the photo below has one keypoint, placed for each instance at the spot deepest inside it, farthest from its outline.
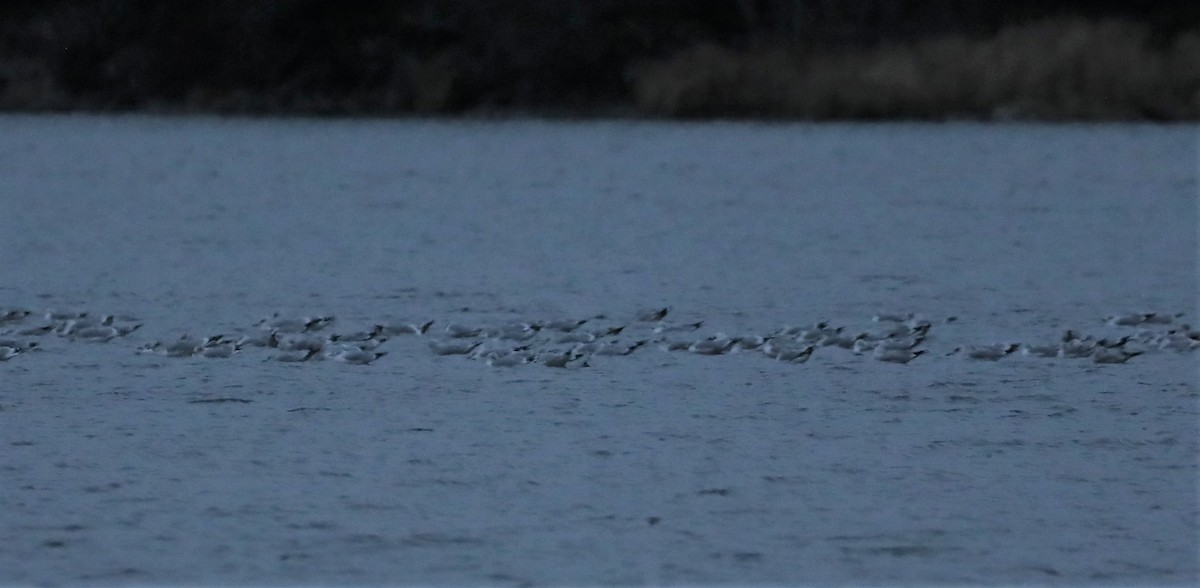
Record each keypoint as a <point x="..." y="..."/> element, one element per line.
<point x="661" y="468"/>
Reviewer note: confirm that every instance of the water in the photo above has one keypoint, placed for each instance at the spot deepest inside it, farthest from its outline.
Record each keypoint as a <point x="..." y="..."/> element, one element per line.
<point x="653" y="468"/>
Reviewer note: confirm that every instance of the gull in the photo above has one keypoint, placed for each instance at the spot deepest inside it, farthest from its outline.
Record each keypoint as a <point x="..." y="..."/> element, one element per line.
<point x="294" y="356"/>
<point x="356" y="356"/>
<point x="862" y="346"/>
<point x="268" y="340"/>
<point x="813" y="336"/>
<point x="18" y="345"/>
<point x="1186" y="329"/>
<point x="1154" y="318"/>
<point x="300" y="342"/>
<point x="517" y="332"/>
<point x="678" y="328"/>
<point x="36" y="331"/>
<point x="1178" y="342"/>
<point x="896" y="331"/>
<point x="1128" y="320"/>
<point x="650" y="316"/>
<point x="748" y="342"/>
<point x="840" y="340"/>
<point x="14" y="316"/>
<point x="1112" y="355"/>
<point x="7" y="353"/>
<point x="563" y="325"/>
<point x="370" y="344"/>
<point x="295" y="325"/>
<point x="577" y="337"/>
<point x="563" y="360"/>
<point x="715" y="345"/>
<point x="184" y="347"/>
<point x="589" y="336"/>
<point x="896" y="355"/>
<point x="103" y="334"/>
<point x="376" y="331"/>
<point x="453" y="347"/>
<point x="898" y="344"/>
<point x="675" y="345"/>
<point x="509" y="359"/>
<point x="72" y="326"/>
<point x="821" y="327"/>
<point x="405" y="329"/>
<point x="1087" y="345"/>
<point x="796" y="355"/>
<point x="460" y="331"/>
<point x="63" y="315"/>
<point x="218" y="350"/>
<point x="988" y="352"/>
<point x="615" y="349"/>
<point x="1042" y="350"/>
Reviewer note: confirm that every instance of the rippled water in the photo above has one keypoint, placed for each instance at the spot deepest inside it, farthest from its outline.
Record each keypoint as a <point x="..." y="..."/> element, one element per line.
<point x="662" y="468"/>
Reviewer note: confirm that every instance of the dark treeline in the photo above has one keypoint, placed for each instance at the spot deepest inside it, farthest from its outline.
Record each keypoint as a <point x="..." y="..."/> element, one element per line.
<point x="446" y="56"/>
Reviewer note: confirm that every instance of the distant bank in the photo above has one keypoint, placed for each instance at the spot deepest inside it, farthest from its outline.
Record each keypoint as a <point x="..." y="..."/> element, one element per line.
<point x="1063" y="68"/>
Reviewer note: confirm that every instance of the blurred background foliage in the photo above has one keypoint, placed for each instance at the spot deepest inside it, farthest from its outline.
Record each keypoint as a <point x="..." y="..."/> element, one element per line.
<point x="807" y="59"/>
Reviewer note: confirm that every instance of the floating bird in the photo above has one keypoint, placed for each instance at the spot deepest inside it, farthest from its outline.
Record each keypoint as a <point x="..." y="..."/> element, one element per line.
<point x="295" y="356"/>
<point x="748" y="342"/>
<point x="840" y="340"/>
<point x="715" y="345"/>
<point x="516" y="332"/>
<point x="1154" y="318"/>
<point x="1178" y="342"/>
<point x="184" y="347"/>
<point x="577" y="337"/>
<point x="460" y="331"/>
<point x="13" y="316"/>
<point x="36" y="331"/>
<point x="295" y="325"/>
<point x="988" y="352"/>
<point x="650" y="316"/>
<point x="375" y="331"/>
<point x="896" y="355"/>
<point x="266" y="340"/>
<point x="900" y="343"/>
<point x="1127" y="320"/>
<point x="796" y="355"/>
<point x="23" y="346"/>
<point x="565" y="326"/>
<point x="862" y="345"/>
<point x="678" y="328"/>
<point x="1113" y="355"/>
<point x="510" y="359"/>
<point x="1042" y="350"/>
<point x="103" y="334"/>
<point x="218" y="350"/>
<point x="675" y="345"/>
<point x="63" y="315"/>
<point x="563" y="360"/>
<point x="300" y="342"/>
<point x="405" y="328"/>
<point x="615" y="349"/>
<point x="453" y="347"/>
<point x="7" y="353"/>
<point x="356" y="356"/>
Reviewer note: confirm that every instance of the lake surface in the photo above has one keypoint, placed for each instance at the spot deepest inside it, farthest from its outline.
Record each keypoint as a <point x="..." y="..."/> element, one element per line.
<point x="655" y="468"/>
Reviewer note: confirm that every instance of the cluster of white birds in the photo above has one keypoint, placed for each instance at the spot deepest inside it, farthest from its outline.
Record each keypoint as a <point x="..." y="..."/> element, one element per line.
<point x="572" y="343"/>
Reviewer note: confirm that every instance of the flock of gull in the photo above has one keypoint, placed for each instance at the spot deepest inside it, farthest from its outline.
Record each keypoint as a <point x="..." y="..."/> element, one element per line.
<point x="573" y="343"/>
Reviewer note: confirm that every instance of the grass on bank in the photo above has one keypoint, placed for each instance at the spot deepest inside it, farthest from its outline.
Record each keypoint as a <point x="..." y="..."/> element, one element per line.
<point x="1067" y="69"/>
